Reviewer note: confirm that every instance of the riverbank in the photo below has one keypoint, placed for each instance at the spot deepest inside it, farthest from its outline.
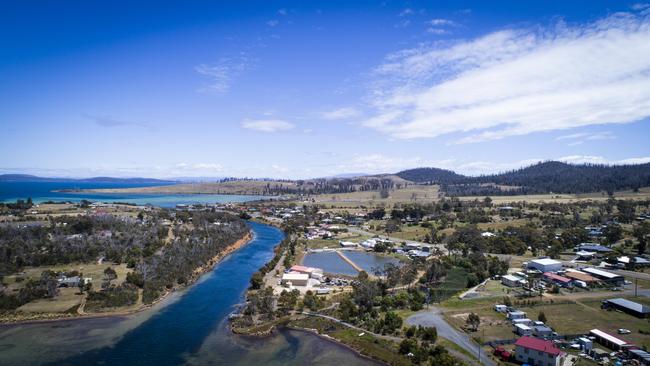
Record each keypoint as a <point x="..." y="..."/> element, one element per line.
<point x="27" y="318"/>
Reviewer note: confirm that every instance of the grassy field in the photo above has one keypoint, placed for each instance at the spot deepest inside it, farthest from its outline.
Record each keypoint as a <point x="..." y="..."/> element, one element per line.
<point x="366" y="344"/>
<point x="68" y="297"/>
<point x="454" y="283"/>
<point x="576" y="317"/>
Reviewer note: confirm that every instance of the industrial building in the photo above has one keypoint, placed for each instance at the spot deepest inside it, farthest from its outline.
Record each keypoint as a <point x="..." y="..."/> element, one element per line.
<point x="627" y="306"/>
<point x="545" y="265"/>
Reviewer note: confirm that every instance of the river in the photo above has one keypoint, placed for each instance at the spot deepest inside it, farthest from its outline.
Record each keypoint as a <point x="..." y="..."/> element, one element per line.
<point x="189" y="327"/>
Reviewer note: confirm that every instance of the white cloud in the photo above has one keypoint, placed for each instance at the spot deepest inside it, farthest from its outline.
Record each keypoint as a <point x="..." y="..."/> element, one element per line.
<point x="405" y="12"/>
<point x="282" y="12"/>
<point x="272" y="23"/>
<point x="517" y="81"/>
<point x="267" y="125"/>
<point x="582" y="137"/>
<point x="341" y="113"/>
<point x="221" y="74"/>
<point x="442" y="22"/>
<point x="437" y="31"/>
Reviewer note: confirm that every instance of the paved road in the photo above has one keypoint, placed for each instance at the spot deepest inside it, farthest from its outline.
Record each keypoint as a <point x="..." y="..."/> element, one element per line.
<point x="433" y="318"/>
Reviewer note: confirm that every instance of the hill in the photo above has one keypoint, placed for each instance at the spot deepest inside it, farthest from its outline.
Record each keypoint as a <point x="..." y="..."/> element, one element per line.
<point x="33" y="178"/>
<point x="544" y="177"/>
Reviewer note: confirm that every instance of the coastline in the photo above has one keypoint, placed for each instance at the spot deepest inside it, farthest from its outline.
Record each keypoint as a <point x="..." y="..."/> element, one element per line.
<point x="196" y="274"/>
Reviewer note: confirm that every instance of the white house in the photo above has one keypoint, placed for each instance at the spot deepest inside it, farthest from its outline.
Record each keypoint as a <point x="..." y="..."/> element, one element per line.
<point x="545" y="265"/>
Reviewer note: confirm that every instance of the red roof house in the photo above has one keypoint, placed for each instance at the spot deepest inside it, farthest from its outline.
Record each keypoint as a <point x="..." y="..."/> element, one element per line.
<point x="538" y="352"/>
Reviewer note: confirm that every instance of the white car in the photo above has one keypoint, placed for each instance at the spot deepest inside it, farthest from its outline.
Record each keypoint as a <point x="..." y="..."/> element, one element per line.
<point x="624" y="331"/>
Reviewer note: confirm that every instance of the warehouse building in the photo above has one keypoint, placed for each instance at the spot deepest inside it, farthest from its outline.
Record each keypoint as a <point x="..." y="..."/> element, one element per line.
<point x="545" y="265"/>
<point x="627" y="306"/>
<point x="605" y="276"/>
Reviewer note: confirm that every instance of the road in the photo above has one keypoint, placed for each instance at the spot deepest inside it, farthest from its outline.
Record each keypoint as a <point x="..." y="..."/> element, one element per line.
<point x="433" y="318"/>
<point x="356" y="230"/>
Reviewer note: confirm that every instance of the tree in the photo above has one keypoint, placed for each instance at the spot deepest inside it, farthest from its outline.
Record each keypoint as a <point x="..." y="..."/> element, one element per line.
<point x="473" y="321"/>
<point x="81" y="284"/>
<point x="541" y="317"/>
<point x="257" y="280"/>
<point x="641" y="232"/>
<point x="109" y="275"/>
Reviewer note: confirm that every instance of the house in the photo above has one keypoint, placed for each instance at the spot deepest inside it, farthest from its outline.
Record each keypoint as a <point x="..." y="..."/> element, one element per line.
<point x="607" y="340"/>
<point x="627" y="306"/>
<point x="295" y="279"/>
<point x="605" y="276"/>
<point x="538" y="352"/>
<point x="593" y="247"/>
<point x="523" y="330"/>
<point x="557" y="279"/>
<point x="585" y="255"/>
<point x="545" y="265"/>
<point x="69" y="281"/>
<point x="638" y="261"/>
<point x="512" y="281"/>
<point x="347" y="244"/>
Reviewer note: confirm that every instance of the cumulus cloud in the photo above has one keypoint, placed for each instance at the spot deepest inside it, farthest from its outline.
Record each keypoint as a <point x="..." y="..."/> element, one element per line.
<point x="341" y="113"/>
<point x="267" y="125"/>
<point x="517" y="81"/>
<point x="221" y="74"/>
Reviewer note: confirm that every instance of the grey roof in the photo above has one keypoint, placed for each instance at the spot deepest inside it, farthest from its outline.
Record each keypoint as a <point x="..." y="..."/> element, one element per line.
<point x="634" y="306"/>
<point x="594" y="247"/>
<point x="641" y="354"/>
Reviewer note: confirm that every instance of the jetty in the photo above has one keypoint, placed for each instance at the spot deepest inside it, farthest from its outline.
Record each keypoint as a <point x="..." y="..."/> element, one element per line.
<point x="350" y="262"/>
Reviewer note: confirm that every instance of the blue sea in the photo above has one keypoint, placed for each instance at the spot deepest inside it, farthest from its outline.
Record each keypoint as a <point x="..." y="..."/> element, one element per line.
<point x="47" y="191"/>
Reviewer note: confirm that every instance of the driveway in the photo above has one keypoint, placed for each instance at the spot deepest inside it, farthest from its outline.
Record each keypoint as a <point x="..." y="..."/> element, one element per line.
<point x="433" y="318"/>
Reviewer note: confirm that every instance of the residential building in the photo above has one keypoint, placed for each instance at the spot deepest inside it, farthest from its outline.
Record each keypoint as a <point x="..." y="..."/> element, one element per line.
<point x="538" y="352"/>
<point x="512" y="281"/>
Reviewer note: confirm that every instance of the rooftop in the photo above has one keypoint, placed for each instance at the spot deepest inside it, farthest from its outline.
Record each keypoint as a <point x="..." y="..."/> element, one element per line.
<point x="610" y="338"/>
<point x="545" y="261"/>
<point x="599" y="272"/>
<point x="635" y="306"/>
<point x="538" y="345"/>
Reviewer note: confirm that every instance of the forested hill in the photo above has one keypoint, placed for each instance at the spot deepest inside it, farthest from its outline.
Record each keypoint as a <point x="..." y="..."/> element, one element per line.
<point x="545" y="177"/>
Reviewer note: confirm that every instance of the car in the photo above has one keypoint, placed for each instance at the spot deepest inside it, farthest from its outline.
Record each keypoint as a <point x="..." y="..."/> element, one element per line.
<point x="624" y="331"/>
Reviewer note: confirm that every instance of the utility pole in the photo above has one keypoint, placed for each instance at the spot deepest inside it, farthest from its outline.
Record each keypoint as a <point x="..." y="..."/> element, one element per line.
<point x="636" y="286"/>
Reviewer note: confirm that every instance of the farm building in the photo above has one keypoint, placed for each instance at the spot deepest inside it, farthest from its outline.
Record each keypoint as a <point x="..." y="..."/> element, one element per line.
<point x="609" y="277"/>
<point x="538" y="352"/>
<point x="545" y="265"/>
<point x="627" y="306"/>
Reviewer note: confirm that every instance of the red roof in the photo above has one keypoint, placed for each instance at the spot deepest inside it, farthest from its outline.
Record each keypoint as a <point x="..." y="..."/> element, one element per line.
<point x="538" y="345"/>
<point x="555" y="277"/>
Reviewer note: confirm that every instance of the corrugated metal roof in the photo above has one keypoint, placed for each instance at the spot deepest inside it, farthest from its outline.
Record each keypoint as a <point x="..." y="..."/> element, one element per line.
<point x="635" y="306"/>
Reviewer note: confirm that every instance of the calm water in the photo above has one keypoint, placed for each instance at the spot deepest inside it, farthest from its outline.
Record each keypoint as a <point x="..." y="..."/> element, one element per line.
<point x="189" y="328"/>
<point x="329" y="262"/>
<point x="45" y="191"/>
<point x="369" y="261"/>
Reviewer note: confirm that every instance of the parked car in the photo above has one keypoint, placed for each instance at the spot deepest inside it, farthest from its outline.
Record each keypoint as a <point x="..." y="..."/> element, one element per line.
<point x="624" y="331"/>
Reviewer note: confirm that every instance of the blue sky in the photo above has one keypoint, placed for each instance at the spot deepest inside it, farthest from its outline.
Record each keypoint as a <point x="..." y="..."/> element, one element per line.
<point x="309" y="89"/>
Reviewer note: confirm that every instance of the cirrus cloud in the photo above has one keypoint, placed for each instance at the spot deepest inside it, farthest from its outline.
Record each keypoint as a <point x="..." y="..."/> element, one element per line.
<point x="517" y="81"/>
<point x="267" y="125"/>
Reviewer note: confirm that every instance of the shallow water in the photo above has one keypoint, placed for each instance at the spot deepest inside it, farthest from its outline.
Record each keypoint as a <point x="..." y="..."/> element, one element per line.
<point x="188" y="328"/>
<point x="46" y="191"/>
<point x="370" y="261"/>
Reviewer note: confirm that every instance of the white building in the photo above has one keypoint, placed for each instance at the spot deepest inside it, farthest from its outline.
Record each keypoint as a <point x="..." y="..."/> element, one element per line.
<point x="512" y="315"/>
<point x="512" y="281"/>
<point x="347" y="244"/>
<point x="295" y="279"/>
<point x="545" y="265"/>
